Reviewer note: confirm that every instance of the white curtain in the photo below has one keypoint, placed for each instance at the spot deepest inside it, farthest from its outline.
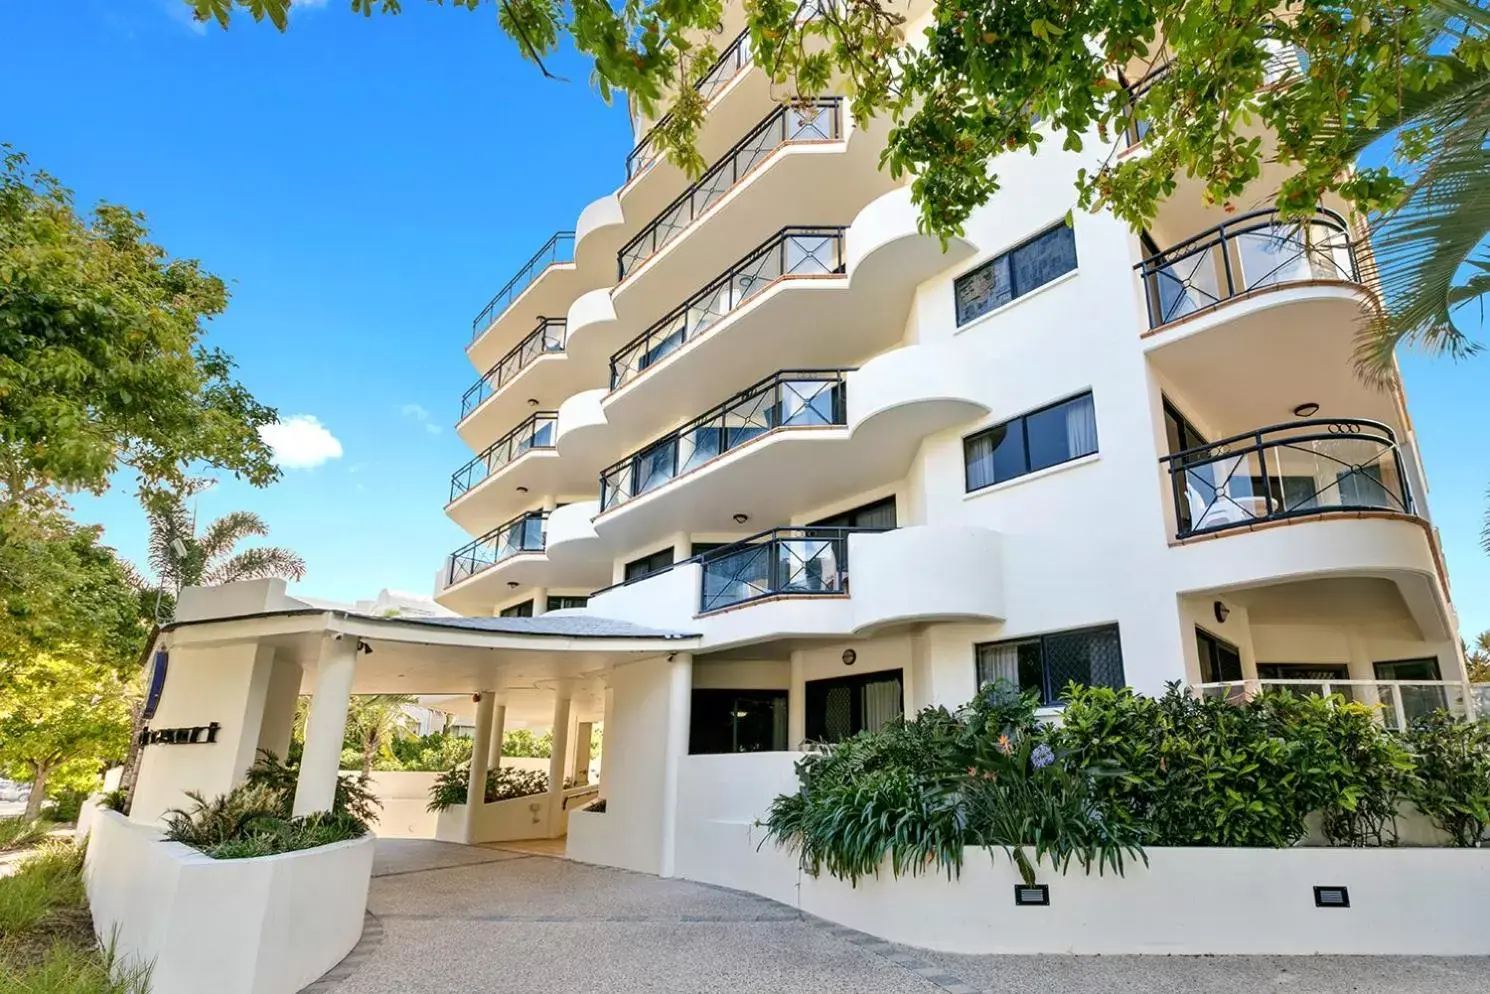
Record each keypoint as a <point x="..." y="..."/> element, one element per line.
<point x="881" y="703"/>
<point x="1081" y="426"/>
<point x="999" y="662"/>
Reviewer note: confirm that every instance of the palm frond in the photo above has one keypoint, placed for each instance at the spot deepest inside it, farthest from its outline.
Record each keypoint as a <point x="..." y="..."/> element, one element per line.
<point x="170" y="522"/>
<point x="254" y="564"/>
<point x="230" y="529"/>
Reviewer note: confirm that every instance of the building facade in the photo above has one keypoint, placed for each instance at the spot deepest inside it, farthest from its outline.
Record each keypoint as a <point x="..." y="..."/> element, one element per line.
<point x="871" y="471"/>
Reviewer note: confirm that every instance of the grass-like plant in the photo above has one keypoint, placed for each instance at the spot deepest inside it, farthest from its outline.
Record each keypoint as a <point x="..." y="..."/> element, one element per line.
<point x="18" y="833"/>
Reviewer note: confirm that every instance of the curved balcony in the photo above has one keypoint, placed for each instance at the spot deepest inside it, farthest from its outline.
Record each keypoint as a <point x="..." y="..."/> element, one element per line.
<point x="1301" y="469"/>
<point x="792" y="253"/>
<point x="545" y="340"/>
<point x="559" y="249"/>
<point x="813" y="581"/>
<point x="735" y="58"/>
<point x="536" y="432"/>
<point x="814" y="121"/>
<point x="523" y="535"/>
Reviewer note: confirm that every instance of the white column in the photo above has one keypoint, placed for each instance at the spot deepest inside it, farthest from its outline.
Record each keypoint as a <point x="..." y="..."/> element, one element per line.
<point x="796" y="703"/>
<point x="556" y="761"/>
<point x="682" y="546"/>
<point x="326" y="725"/>
<point x="540" y="601"/>
<point x="476" y="788"/>
<point x="679" y="706"/>
<point x="579" y="752"/>
<point x="498" y="731"/>
<point x="605" y="740"/>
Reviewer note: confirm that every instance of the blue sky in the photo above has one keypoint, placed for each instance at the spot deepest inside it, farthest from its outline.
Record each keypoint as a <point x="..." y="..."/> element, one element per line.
<point x="366" y="185"/>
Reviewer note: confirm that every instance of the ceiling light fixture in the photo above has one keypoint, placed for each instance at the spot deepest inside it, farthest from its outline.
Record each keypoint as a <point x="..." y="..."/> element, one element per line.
<point x="740" y="519"/>
<point x="1306" y="410"/>
<point x="511" y="584"/>
<point x="532" y="401"/>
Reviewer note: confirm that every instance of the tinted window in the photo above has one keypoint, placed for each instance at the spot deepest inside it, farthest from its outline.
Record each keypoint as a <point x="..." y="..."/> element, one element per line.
<point x="880" y="514"/>
<point x="523" y="610"/>
<point x="737" y="721"/>
<point x="1047" y="663"/>
<point x="1220" y="662"/>
<point x="1025" y="268"/>
<point x="563" y="602"/>
<point x="638" y="568"/>
<point x="1039" y="440"/>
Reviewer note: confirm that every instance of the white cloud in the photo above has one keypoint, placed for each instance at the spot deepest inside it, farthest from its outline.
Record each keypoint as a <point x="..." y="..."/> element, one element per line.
<point x="185" y="16"/>
<point x="300" y="442"/>
<point x="417" y="413"/>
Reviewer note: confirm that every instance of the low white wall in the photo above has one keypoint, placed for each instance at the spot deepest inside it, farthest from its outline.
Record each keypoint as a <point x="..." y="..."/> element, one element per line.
<point x="270" y="925"/>
<point x="586" y="840"/>
<point x="500" y="821"/>
<point x="405" y="798"/>
<point x="1403" y="901"/>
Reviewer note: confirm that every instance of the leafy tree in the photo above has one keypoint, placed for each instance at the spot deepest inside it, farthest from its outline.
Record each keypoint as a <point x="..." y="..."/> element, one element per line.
<point x="60" y="715"/>
<point x="209" y="558"/>
<point x="522" y="742"/>
<point x="1477" y="655"/>
<point x="375" y="720"/>
<point x="101" y="360"/>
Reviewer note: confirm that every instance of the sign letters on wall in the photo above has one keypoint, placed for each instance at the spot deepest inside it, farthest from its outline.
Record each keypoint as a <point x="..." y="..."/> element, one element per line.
<point x="180" y="736"/>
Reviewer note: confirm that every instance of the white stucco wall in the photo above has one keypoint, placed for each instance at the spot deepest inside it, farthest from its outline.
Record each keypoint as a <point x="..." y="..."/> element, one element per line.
<point x="253" y="926"/>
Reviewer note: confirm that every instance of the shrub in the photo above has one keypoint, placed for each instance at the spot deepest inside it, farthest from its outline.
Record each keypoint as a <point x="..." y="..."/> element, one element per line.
<point x="234" y="815"/>
<point x="18" y="833"/>
<point x="353" y="794"/>
<point x="503" y="784"/>
<point x="66" y="806"/>
<point x="116" y="800"/>
<point x="281" y="835"/>
<point x="1452" y="782"/>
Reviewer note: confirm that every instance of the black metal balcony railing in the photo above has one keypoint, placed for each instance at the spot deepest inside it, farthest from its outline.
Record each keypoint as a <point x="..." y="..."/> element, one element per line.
<point x="1303" y="468"/>
<point x="524" y="533"/>
<point x="558" y="249"/>
<point x="1281" y="64"/>
<point x="789" y="399"/>
<point x="1247" y="253"/>
<point x="814" y="120"/>
<point x="731" y="62"/>
<point x="546" y="339"/>
<point x="780" y="562"/>
<point x="790" y="252"/>
<point x="536" y="432"/>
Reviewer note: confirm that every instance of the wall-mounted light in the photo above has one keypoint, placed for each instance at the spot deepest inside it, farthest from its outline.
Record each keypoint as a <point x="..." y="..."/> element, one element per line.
<point x="1037" y="895"/>
<point x="740" y="519"/>
<point x="1306" y="410"/>
<point x="850" y="657"/>
<point x="511" y="584"/>
<point x="1332" y="897"/>
<point x="522" y="490"/>
<point x="1221" y="611"/>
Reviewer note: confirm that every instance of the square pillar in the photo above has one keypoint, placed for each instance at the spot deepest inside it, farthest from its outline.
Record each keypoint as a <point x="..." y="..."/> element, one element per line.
<point x="579" y="766"/>
<point x="498" y="732"/>
<point x="480" y="748"/>
<point x="679" y="708"/>
<point x="327" y="724"/>
<point x="280" y="700"/>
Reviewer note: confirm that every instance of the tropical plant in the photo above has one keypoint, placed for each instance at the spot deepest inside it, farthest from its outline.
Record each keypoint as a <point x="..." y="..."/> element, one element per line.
<point x="522" y="742"/>
<point x="1452" y="782"/>
<point x="102" y="362"/>
<point x="229" y="816"/>
<point x="21" y="833"/>
<point x="181" y="558"/>
<point x="353" y="795"/>
<point x="1477" y="658"/>
<point x="437" y="751"/>
<point x="377" y="720"/>
<point x="502" y="784"/>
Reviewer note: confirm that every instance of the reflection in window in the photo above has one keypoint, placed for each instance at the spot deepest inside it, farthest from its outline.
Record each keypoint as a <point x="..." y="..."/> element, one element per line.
<point x="1025" y="268"/>
<point x="1038" y="440"/>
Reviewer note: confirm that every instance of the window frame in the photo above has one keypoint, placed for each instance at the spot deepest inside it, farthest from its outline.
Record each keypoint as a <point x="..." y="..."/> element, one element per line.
<point x="1048" y="695"/>
<point x="584" y="600"/>
<point x="756" y="694"/>
<point x="522" y="609"/>
<point x="1007" y="257"/>
<point x="854" y="513"/>
<point x="813" y="690"/>
<point x="1023" y="422"/>
<point x="646" y="560"/>
<point x="1203" y="635"/>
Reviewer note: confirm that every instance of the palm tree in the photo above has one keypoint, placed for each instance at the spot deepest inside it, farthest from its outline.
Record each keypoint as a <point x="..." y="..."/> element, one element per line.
<point x="1477" y="658"/>
<point x="376" y="719"/>
<point x="1441" y="226"/>
<point x="181" y="558"/>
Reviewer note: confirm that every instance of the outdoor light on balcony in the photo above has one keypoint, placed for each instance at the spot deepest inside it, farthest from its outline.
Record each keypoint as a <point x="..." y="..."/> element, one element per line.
<point x="740" y="519"/>
<point x="1306" y="410"/>
<point x="522" y="490"/>
<point x="532" y="401"/>
<point x="1037" y="895"/>
<point x="511" y="584"/>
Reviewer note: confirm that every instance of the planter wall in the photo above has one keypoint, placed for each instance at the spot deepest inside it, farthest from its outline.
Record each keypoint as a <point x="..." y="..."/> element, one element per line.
<point x="269" y="925"/>
<point x="1407" y="901"/>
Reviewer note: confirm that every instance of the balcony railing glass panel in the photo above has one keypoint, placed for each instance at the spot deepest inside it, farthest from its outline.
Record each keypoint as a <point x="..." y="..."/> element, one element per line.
<point x="1303" y="468"/>
<point x="781" y="562"/>
<point x="1401" y="701"/>
<point x="546" y="339"/>
<point x="792" y="252"/>
<point x="814" y="120"/>
<point x="537" y="432"/>
<point x="524" y="533"/>
<point x="558" y="249"/>
<point x="794" y="399"/>
<point x="1252" y="252"/>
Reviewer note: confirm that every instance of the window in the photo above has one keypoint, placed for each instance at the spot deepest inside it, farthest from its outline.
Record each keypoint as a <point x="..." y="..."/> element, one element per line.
<point x="1090" y="656"/>
<point x="1015" y="273"/>
<point x="737" y="721"/>
<point x="700" y="548"/>
<point x="1416" y="701"/>
<point x="523" y="610"/>
<point x="1220" y="662"/>
<point x="879" y="514"/>
<point x="1038" y="440"/>
<point x="845" y="706"/>
<point x="1180" y="433"/>
<point x="647" y="565"/>
<point x="563" y="602"/>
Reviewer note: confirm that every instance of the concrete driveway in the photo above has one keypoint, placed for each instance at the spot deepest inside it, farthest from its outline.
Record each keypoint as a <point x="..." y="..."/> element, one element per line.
<point x="458" y="918"/>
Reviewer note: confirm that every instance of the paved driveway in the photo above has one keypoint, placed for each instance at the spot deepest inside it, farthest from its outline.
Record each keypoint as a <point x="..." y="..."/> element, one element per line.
<point x="456" y="918"/>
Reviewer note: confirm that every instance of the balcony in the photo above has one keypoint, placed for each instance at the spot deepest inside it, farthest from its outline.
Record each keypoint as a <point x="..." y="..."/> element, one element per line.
<point x="786" y="400"/>
<point x="1401" y="701"/>
<point x="545" y="340"/>
<point x="815" y="121"/>
<point x="1301" y="469"/>
<point x="536" y="432"/>
<point x="731" y="62"/>
<point x="797" y="582"/>
<point x="522" y="535"/>
<point x="558" y="250"/>
<point x="793" y="253"/>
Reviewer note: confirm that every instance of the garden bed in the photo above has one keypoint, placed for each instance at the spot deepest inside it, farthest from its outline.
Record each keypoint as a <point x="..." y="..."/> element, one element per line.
<point x="265" y="925"/>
